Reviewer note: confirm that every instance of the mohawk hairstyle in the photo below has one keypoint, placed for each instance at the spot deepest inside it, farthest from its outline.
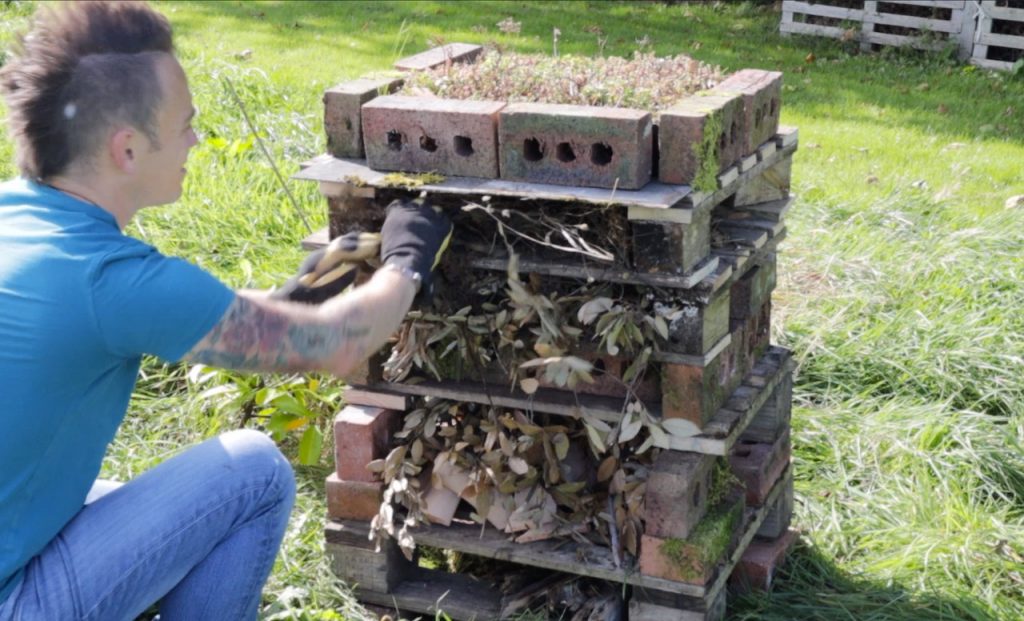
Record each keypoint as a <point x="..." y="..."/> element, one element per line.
<point x="80" y="69"/>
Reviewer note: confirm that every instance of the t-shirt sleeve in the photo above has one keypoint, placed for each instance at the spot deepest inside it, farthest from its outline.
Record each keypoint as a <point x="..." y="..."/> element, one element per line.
<point x="148" y="303"/>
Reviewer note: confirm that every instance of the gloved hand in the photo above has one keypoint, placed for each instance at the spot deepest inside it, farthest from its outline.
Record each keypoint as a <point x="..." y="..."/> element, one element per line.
<point x="414" y="236"/>
<point x="327" y="272"/>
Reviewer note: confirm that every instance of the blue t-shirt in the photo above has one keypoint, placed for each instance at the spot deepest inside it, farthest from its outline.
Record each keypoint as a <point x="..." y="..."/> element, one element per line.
<point x="80" y="303"/>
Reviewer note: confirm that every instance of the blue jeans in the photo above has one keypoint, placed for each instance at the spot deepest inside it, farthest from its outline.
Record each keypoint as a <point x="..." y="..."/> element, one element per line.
<point x="198" y="533"/>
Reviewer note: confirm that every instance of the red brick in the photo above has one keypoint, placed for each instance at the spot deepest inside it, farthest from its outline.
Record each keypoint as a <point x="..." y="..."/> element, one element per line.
<point x="352" y="500"/>
<point x="696" y="391"/>
<point x="754" y="335"/>
<point x="438" y="56"/>
<point x="781" y="513"/>
<point x="423" y="134"/>
<point x="343" y="116"/>
<point x="758" y="465"/>
<point x="576" y="145"/>
<point x="677" y="493"/>
<point x="762" y="102"/>
<point x="682" y="130"/>
<point x="361" y="435"/>
<point x="757" y="567"/>
<point x="694" y="564"/>
<point x="774" y="416"/>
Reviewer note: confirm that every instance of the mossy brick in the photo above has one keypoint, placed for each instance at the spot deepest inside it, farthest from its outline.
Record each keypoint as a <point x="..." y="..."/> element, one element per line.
<point x="361" y="435"/>
<point x="423" y="134"/>
<point x="696" y="559"/>
<point x="352" y="500"/>
<point x="781" y="513"/>
<point x="696" y="391"/>
<point x="758" y="465"/>
<point x="773" y="418"/>
<point x="439" y="56"/>
<point x="761" y="560"/>
<point x="640" y="610"/>
<point x="762" y="102"/>
<point x="677" y="493"/>
<point x="669" y="247"/>
<point x="576" y="145"/>
<point x="754" y="334"/>
<point x="697" y="328"/>
<point x="749" y="293"/>
<point x="343" y="113"/>
<point x="698" y="138"/>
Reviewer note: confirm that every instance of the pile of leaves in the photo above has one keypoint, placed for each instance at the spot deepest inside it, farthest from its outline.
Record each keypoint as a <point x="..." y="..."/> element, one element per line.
<point x="645" y="81"/>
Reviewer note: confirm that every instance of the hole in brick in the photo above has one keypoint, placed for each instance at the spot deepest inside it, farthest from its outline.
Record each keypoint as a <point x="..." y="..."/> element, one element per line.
<point x="428" y="144"/>
<point x="758" y="115"/>
<point x="599" y="365"/>
<point x="748" y="442"/>
<point x="348" y="124"/>
<point x="564" y="152"/>
<point x="764" y="111"/>
<point x="696" y="495"/>
<point x="775" y="106"/>
<point x="742" y="453"/>
<point x="734" y="132"/>
<point x="601" y="153"/>
<point x="532" y="150"/>
<point x="395" y="140"/>
<point x="464" y="146"/>
<point x="722" y="141"/>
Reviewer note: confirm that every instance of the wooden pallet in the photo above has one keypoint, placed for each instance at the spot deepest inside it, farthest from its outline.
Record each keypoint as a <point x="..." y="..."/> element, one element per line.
<point x="420" y="590"/>
<point x="995" y="19"/>
<point x="883" y="23"/>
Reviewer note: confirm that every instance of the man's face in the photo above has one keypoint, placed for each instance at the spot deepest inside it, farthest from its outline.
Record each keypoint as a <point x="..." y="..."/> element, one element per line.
<point x="161" y="167"/>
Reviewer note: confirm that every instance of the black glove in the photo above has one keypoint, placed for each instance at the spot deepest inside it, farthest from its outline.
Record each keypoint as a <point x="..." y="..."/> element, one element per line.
<point x="414" y="236"/>
<point x="327" y="272"/>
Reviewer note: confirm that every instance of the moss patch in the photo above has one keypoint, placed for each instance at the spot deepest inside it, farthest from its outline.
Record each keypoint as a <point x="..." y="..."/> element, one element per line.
<point x="706" y="152"/>
<point x="695" y="556"/>
<point x="402" y="180"/>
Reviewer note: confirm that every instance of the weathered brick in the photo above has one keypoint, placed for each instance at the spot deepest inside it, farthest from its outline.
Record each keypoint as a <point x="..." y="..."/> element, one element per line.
<point x="671" y="248"/>
<point x="700" y="137"/>
<point x="698" y="328"/>
<point x="758" y="465"/>
<point x="438" y="56"/>
<point x="640" y="610"/>
<point x="781" y="514"/>
<point x="771" y="185"/>
<point x="352" y="500"/>
<point x="759" y="563"/>
<point x="755" y="336"/>
<point x="762" y="102"/>
<point x="693" y="561"/>
<point x="361" y="435"/>
<point x="576" y="145"/>
<point x="696" y="391"/>
<point x="421" y="134"/>
<point x="677" y="493"/>
<point x="773" y="418"/>
<point x="343" y="116"/>
<point x="749" y="293"/>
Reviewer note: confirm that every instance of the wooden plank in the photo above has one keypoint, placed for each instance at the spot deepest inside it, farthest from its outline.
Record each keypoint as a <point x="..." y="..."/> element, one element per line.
<point x="431" y="591"/>
<point x="376" y="399"/>
<point x="1003" y="40"/>
<point x="820" y="30"/>
<point x="601" y="273"/>
<point x="654" y="195"/>
<point x="921" y="23"/>
<point x="730" y="175"/>
<point x="316" y="240"/>
<point x="772" y="156"/>
<point x="823" y="10"/>
<point x="901" y="40"/>
<point x="992" y="64"/>
<point x="993" y="11"/>
<point x="701" y="361"/>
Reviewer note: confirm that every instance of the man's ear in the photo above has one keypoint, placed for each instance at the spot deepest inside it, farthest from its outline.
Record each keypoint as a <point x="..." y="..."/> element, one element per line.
<point x="124" y="147"/>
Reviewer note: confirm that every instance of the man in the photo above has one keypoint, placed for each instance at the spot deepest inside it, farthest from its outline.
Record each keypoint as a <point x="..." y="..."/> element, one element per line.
<point x="100" y="112"/>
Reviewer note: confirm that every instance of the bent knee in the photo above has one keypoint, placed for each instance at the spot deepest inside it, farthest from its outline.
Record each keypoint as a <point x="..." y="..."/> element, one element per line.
<point x="255" y="453"/>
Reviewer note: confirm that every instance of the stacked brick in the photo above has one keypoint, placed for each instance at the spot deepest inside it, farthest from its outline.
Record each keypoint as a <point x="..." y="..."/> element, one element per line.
<point x="715" y="248"/>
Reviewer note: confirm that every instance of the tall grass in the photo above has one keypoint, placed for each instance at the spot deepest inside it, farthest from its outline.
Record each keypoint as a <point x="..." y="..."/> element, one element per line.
<point x="900" y="282"/>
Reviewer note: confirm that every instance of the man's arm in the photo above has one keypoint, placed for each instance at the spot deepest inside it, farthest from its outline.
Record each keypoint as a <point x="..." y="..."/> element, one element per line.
<point x="258" y="333"/>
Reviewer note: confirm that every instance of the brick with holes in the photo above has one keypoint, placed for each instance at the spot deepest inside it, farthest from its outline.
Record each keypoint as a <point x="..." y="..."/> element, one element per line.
<point x="420" y="134"/>
<point x="762" y="102"/>
<point x="343" y="113"/>
<point x="361" y="435"/>
<point x="677" y="493"/>
<point x="758" y="466"/>
<point x="760" y="562"/>
<point x="700" y="137"/>
<point x="576" y="145"/>
<point x="695" y="390"/>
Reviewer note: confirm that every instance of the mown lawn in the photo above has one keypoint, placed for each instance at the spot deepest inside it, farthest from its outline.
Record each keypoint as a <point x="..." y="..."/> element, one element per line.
<point x="900" y="286"/>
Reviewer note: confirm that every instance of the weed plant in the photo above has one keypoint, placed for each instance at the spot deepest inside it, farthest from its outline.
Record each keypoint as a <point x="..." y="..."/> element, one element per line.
<point x="900" y="281"/>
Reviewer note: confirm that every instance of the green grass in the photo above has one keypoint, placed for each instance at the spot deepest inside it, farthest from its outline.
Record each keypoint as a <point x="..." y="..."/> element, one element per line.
<point x="900" y="282"/>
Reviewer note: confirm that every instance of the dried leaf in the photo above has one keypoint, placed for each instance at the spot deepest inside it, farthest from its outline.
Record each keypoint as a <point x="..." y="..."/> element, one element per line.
<point x="518" y="465"/>
<point x="680" y="427"/>
<point x="595" y="439"/>
<point x="661" y="327"/>
<point x="591" y="310"/>
<point x="618" y="482"/>
<point x="529" y="385"/>
<point x="561" y="444"/>
<point x="607" y="469"/>
<point x="630" y="428"/>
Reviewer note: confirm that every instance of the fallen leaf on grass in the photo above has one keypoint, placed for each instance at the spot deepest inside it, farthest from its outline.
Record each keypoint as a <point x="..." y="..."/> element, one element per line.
<point x="1014" y="202"/>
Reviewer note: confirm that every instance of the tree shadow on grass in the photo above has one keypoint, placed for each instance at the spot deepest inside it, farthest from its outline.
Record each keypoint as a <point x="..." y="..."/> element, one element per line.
<point x="810" y="587"/>
<point x="824" y="77"/>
